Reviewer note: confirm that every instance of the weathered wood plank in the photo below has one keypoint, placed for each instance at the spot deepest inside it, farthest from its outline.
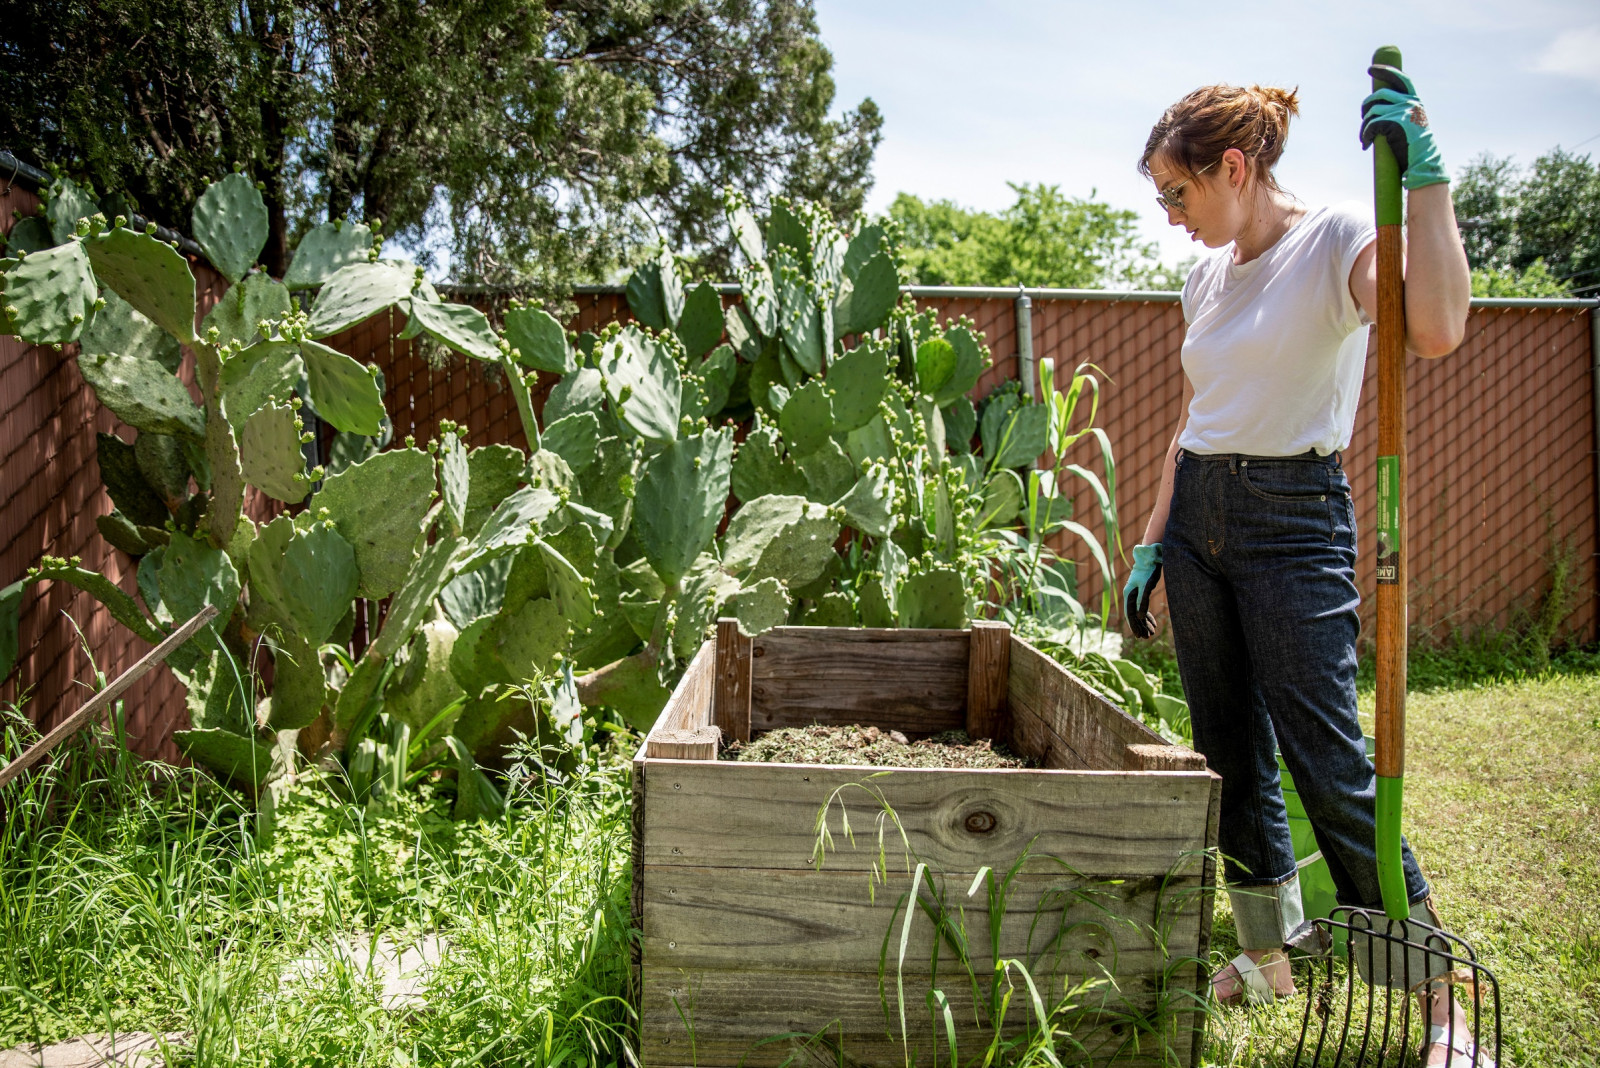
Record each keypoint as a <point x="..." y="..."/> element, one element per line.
<point x="1111" y="823"/>
<point x="736" y="1016"/>
<point x="1161" y="758"/>
<point x="787" y="920"/>
<point x="687" y="710"/>
<point x="696" y="743"/>
<point x="988" y="679"/>
<point x="730" y="702"/>
<point x="1054" y="710"/>
<point x="909" y="680"/>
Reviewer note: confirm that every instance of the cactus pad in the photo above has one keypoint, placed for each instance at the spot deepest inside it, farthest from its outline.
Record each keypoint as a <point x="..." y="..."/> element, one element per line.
<point x="344" y="393"/>
<point x="568" y="588"/>
<point x="462" y="327"/>
<point x="857" y="381"/>
<point x="787" y="538"/>
<point x="126" y="485"/>
<point x="800" y="318"/>
<point x="299" y="687"/>
<point x="412" y="604"/>
<point x="760" y="468"/>
<point x="455" y="479"/>
<point x="680" y="500"/>
<point x="642" y="381"/>
<point x="539" y="340"/>
<point x="514" y="523"/>
<point x="960" y="423"/>
<point x="933" y="598"/>
<point x="655" y="294"/>
<point x="874" y="291"/>
<point x="747" y="232"/>
<point x="869" y="506"/>
<point x="829" y="473"/>
<point x="426" y="685"/>
<point x="807" y="419"/>
<point x="53" y="294"/>
<point x="193" y="575"/>
<point x="142" y="395"/>
<point x="232" y="756"/>
<point x="759" y="607"/>
<point x="265" y="370"/>
<point x="147" y="274"/>
<point x="242" y="307"/>
<point x="573" y="438"/>
<point x="1020" y="436"/>
<point x="318" y="580"/>
<point x="65" y="203"/>
<point x="227" y="481"/>
<point x="701" y="325"/>
<point x="269" y="454"/>
<point x="325" y="250"/>
<point x="785" y="229"/>
<point x="378" y="506"/>
<point x="230" y="224"/>
<point x="357" y="292"/>
<point x="118" y="328"/>
<point x="162" y="461"/>
<point x="119" y="533"/>
<point x="495" y="473"/>
<point x="219" y="694"/>
<point x="579" y="391"/>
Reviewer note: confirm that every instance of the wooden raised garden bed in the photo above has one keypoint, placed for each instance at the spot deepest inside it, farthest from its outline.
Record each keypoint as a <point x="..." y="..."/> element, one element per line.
<point x="746" y="937"/>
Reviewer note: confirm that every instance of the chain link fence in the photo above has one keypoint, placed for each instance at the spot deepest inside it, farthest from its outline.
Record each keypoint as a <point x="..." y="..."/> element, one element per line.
<point x="1502" y="460"/>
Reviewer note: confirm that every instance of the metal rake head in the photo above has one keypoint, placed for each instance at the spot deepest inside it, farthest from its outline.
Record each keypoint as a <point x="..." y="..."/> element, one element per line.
<point x="1364" y="1009"/>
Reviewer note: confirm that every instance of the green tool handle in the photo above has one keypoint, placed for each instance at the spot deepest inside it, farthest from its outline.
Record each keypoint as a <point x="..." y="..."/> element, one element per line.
<point x="1392" y="570"/>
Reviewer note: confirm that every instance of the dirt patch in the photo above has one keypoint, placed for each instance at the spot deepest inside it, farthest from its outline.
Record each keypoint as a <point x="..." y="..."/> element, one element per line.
<point x="870" y="746"/>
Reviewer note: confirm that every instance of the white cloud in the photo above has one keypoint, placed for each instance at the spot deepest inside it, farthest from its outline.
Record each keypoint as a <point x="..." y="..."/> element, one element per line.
<point x="1575" y="53"/>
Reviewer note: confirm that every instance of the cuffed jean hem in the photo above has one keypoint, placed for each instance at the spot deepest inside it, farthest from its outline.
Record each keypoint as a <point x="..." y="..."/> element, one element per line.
<point x="1265" y="916"/>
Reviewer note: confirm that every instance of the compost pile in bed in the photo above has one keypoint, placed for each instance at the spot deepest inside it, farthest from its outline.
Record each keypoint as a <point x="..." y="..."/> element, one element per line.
<point x="819" y="744"/>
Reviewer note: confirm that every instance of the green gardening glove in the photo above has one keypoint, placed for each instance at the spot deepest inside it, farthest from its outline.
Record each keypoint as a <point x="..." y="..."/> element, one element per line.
<point x="1395" y="114"/>
<point x="1141" y="584"/>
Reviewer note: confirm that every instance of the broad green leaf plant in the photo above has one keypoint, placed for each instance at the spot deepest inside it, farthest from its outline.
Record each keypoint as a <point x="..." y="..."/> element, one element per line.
<point x="805" y="455"/>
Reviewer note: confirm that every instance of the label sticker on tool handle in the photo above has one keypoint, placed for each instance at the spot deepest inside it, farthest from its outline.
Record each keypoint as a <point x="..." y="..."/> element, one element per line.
<point x="1389" y="547"/>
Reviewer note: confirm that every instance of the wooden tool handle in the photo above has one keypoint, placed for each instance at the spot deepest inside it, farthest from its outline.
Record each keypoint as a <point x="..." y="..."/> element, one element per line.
<point x="1390" y="718"/>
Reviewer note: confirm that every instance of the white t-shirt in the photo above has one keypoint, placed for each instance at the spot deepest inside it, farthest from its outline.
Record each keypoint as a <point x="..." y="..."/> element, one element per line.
<point x="1276" y="347"/>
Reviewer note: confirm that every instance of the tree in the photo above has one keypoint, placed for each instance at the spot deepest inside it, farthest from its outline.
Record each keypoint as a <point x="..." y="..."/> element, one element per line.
<point x="1043" y="239"/>
<point x="1535" y="233"/>
<point x="542" y="141"/>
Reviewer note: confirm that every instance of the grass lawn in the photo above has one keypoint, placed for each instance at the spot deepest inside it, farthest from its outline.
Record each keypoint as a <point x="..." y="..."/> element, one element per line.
<point x="128" y="903"/>
<point x="1503" y="811"/>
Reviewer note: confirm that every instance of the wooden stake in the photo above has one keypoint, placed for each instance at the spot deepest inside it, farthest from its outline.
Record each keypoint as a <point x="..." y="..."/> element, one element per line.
<point x="730" y="700"/>
<point x="100" y="700"/>
<point x="988" y="679"/>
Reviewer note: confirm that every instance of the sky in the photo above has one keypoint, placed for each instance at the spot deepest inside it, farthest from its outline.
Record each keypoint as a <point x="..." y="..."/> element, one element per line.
<point x="976" y="95"/>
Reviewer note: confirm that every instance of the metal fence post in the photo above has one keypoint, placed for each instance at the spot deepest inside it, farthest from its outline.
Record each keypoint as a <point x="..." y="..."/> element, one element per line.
<point x="1594" y="390"/>
<point x="1025" y="344"/>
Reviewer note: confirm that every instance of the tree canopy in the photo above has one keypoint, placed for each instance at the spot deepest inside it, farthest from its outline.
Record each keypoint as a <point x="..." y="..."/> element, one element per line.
<point x="1044" y="238"/>
<point x="541" y="141"/>
<point x="1534" y="233"/>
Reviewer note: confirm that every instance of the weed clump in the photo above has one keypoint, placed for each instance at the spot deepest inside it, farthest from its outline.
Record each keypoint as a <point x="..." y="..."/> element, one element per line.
<point x="870" y="746"/>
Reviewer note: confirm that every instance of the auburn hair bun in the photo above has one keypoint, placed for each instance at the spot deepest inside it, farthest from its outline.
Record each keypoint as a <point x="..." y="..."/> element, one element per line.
<point x="1194" y="133"/>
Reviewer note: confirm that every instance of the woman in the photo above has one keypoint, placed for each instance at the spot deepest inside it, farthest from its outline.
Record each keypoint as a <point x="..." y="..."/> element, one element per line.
<point x="1254" y="524"/>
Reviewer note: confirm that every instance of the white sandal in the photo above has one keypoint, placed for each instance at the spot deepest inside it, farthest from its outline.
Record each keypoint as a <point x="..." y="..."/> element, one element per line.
<point x="1458" y="1042"/>
<point x="1257" y="990"/>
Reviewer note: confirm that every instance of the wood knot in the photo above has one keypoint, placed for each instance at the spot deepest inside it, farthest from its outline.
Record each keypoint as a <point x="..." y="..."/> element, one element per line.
<point x="981" y="822"/>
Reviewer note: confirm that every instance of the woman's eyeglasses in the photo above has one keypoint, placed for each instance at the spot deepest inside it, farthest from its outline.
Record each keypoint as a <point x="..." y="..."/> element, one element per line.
<point x="1172" y="198"/>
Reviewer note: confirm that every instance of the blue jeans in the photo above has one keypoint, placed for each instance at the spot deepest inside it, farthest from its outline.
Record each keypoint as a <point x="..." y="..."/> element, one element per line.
<point x="1259" y="559"/>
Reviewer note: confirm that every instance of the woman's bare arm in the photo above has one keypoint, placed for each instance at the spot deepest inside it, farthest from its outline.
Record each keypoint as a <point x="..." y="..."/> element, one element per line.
<point x="1438" y="280"/>
<point x="1156" y="529"/>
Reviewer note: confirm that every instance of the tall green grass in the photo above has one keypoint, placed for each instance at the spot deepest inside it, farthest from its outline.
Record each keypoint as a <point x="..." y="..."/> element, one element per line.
<point x="134" y="896"/>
